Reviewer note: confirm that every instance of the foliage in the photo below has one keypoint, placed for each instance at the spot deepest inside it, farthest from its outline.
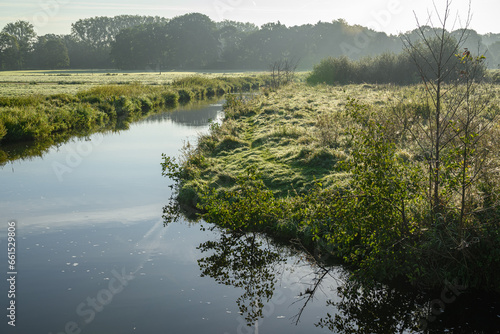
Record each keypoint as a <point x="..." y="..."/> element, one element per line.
<point x="453" y="141"/>
<point x="20" y="37"/>
<point x="44" y="119"/>
<point x="50" y="52"/>
<point x="243" y="261"/>
<point x="194" y="41"/>
<point x="381" y="183"/>
<point x="383" y="69"/>
<point x="3" y="130"/>
<point x="360" y="195"/>
<point x="248" y="207"/>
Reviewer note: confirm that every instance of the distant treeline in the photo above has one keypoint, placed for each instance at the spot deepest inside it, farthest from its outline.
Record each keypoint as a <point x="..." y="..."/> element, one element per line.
<point x="194" y="41"/>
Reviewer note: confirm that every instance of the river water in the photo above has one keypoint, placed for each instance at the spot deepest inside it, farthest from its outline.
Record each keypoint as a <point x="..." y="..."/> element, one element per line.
<point x="92" y="254"/>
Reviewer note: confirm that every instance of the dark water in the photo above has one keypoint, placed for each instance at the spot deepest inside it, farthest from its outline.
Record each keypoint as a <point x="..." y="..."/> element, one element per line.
<point x="93" y="256"/>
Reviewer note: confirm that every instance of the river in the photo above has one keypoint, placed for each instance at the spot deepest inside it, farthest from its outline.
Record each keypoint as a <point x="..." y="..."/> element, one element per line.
<point x="92" y="254"/>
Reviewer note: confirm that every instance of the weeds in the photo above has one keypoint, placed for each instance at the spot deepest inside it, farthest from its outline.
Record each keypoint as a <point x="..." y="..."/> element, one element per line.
<point x="340" y="167"/>
<point x="38" y="117"/>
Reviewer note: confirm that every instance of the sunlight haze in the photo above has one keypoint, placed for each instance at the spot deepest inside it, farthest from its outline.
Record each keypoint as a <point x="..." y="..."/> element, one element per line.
<point x="390" y="16"/>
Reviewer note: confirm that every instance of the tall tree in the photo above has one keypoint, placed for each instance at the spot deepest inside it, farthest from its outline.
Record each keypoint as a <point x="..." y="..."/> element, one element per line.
<point x="494" y="55"/>
<point x="9" y="52"/>
<point x="193" y="41"/>
<point x="24" y="34"/>
<point x="141" y="47"/>
<point x="54" y="54"/>
<point x="101" y="31"/>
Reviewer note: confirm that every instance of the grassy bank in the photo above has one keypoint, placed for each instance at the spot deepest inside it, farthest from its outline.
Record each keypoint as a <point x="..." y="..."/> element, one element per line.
<point x="51" y="82"/>
<point x="45" y="119"/>
<point x="338" y="169"/>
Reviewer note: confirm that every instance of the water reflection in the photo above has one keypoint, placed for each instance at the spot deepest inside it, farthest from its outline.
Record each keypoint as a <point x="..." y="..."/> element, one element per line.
<point x="243" y="261"/>
<point x="373" y="309"/>
<point x="31" y="150"/>
<point x="382" y="309"/>
<point x="193" y="115"/>
<point x="255" y="265"/>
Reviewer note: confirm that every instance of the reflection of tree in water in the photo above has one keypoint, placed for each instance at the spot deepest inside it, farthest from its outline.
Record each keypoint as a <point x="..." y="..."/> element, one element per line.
<point x="372" y="309"/>
<point x="243" y="261"/>
<point x="378" y="308"/>
<point x="248" y="262"/>
<point x="193" y="115"/>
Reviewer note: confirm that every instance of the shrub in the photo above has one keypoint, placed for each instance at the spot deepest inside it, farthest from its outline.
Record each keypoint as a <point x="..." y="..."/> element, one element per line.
<point x="21" y="101"/>
<point x="185" y="95"/>
<point x="332" y="71"/>
<point x="385" y="68"/>
<point x="126" y="105"/>
<point x="146" y="104"/>
<point x="25" y="124"/>
<point x="86" y="117"/>
<point x="170" y="99"/>
<point x="3" y="131"/>
<point x="251" y="207"/>
<point x="495" y="77"/>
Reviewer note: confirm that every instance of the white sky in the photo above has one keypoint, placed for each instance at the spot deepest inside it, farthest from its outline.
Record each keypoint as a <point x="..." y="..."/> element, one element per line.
<point x="391" y="16"/>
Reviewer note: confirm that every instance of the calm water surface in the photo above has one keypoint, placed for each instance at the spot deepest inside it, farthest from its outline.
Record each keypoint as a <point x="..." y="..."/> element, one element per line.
<point x="93" y="255"/>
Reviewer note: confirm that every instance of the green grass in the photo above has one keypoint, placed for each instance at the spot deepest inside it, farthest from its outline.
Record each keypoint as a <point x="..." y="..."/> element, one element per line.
<point x="16" y="83"/>
<point x="293" y="136"/>
<point x="49" y="118"/>
<point x="331" y="164"/>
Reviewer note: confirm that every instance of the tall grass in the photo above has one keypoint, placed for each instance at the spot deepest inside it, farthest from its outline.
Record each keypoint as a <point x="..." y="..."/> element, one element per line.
<point x="37" y="117"/>
<point x="312" y="163"/>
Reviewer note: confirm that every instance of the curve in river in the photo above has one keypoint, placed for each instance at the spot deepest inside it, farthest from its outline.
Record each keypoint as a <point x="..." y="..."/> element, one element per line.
<point x="92" y="254"/>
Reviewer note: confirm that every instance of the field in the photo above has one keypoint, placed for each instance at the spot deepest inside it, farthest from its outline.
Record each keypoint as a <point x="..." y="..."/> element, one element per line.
<point x="21" y="83"/>
<point x="40" y="109"/>
<point x="300" y="134"/>
<point x="345" y="170"/>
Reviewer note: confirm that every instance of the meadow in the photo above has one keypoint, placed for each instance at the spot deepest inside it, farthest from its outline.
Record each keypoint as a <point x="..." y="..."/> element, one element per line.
<point x="48" y="82"/>
<point x="43" y="108"/>
<point x="343" y="170"/>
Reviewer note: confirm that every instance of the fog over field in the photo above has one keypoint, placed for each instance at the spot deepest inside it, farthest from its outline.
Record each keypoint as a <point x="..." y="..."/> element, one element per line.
<point x="227" y="34"/>
<point x="390" y="16"/>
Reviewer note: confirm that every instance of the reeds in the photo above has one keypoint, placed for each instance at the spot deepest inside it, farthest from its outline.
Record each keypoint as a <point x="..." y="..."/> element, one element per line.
<point x="37" y="116"/>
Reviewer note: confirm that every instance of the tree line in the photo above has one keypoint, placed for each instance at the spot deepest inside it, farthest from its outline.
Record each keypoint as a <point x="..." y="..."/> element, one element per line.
<point x="194" y="41"/>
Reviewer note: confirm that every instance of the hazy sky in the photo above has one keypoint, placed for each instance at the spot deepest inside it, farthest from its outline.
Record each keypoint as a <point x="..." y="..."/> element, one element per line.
<point x="391" y="16"/>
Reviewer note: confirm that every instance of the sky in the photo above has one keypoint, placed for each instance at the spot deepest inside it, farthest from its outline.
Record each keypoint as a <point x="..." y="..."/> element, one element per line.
<point x="390" y="16"/>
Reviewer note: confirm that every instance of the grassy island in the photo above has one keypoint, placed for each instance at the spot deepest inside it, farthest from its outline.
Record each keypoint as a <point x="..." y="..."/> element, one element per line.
<point x="344" y="170"/>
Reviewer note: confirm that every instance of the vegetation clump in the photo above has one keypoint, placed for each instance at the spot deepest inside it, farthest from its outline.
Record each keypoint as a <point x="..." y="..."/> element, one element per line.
<point x="342" y="170"/>
<point x="56" y="117"/>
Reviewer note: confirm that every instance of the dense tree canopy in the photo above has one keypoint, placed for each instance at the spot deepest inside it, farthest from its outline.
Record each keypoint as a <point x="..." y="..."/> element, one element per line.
<point x="19" y="37"/>
<point x="194" y="41"/>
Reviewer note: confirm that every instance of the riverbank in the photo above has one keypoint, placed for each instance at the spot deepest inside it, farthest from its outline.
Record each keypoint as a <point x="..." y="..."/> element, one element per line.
<point x="336" y="169"/>
<point x="43" y="120"/>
